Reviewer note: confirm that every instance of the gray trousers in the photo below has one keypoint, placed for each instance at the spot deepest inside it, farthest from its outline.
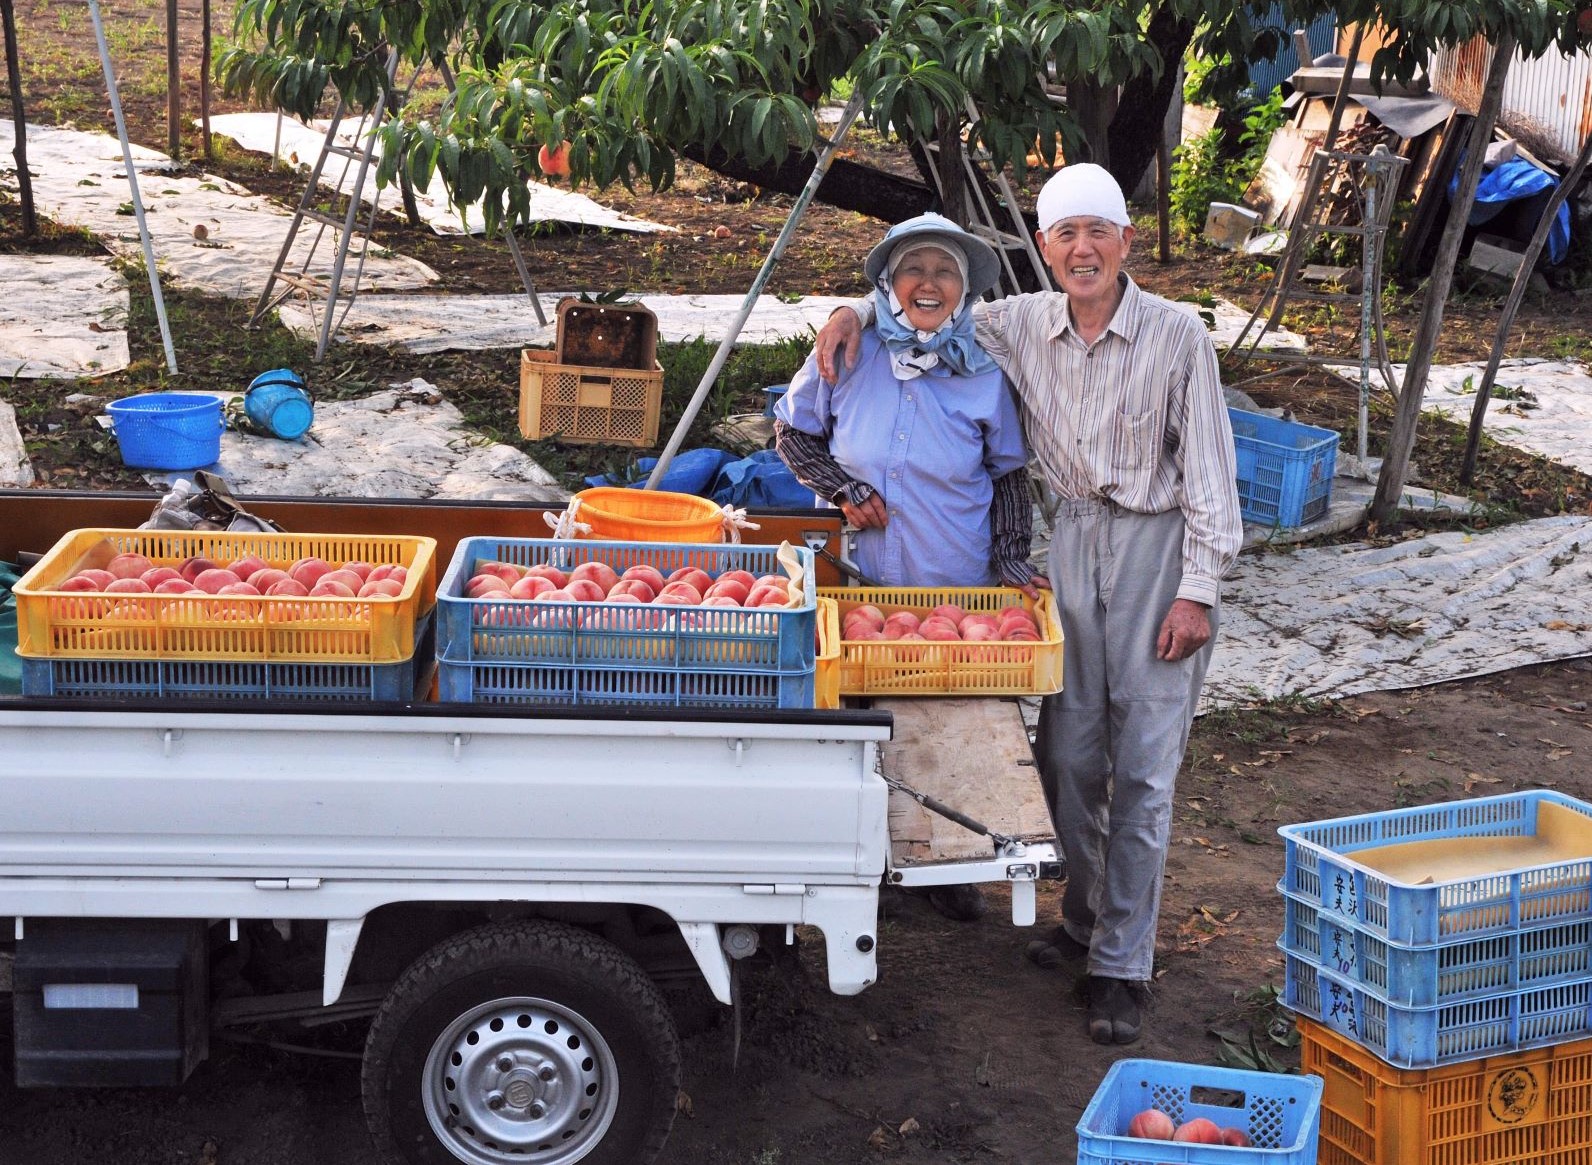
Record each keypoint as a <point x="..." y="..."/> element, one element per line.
<point x="1111" y="741"/>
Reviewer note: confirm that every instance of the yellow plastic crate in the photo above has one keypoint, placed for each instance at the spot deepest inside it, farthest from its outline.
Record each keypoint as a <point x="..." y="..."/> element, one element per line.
<point x="1530" y="1108"/>
<point x="885" y="668"/>
<point x="585" y="405"/>
<point x="53" y="624"/>
<point x="826" y="676"/>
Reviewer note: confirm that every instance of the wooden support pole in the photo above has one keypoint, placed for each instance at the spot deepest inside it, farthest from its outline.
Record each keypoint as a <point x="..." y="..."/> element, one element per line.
<point x="173" y="84"/>
<point x="1528" y="263"/>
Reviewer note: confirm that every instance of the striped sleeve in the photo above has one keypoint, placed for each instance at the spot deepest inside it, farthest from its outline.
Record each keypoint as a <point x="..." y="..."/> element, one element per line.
<point x="1207" y="477"/>
<point x="1011" y="521"/>
<point x="809" y="459"/>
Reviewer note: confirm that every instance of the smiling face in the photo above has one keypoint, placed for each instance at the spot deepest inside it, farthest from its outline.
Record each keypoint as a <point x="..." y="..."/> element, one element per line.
<point x="1085" y="255"/>
<point x="929" y="285"/>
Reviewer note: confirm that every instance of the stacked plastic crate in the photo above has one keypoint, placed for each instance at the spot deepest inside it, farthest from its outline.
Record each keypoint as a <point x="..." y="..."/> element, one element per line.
<point x="115" y="644"/>
<point x="499" y="649"/>
<point x="1441" y="961"/>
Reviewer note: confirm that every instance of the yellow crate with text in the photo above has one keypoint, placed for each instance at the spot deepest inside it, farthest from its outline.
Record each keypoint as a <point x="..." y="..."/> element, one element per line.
<point x="586" y="405"/>
<point x="1529" y="1108"/>
<point x="943" y="668"/>
<point x="826" y="676"/>
<point x="55" y="624"/>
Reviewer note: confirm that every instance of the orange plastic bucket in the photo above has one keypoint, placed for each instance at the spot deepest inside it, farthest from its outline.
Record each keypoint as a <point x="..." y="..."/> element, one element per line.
<point x="644" y="515"/>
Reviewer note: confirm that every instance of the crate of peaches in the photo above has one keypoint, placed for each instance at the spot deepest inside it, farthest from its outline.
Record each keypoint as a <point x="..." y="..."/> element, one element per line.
<point x="946" y="641"/>
<point x="711" y="607"/>
<point x="215" y="595"/>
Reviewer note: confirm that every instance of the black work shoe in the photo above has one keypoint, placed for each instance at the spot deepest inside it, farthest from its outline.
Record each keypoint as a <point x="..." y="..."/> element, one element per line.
<point x="1113" y="1011"/>
<point x="1058" y="951"/>
<point x="964" y="903"/>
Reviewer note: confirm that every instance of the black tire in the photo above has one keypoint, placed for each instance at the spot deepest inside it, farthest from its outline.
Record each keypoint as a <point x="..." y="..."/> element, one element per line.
<point x="495" y="1023"/>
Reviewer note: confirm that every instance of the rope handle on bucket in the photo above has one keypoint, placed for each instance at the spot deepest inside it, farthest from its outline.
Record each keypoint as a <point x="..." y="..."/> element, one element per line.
<point x="734" y="522"/>
<point x="565" y="525"/>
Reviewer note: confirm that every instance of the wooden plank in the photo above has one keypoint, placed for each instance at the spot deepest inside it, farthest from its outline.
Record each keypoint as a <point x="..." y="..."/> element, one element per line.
<point x="972" y="754"/>
<point x="1325" y="79"/>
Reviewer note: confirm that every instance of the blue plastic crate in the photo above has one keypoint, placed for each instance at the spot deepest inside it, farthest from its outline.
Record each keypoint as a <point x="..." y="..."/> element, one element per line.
<point x="229" y="679"/>
<point x="635" y="635"/>
<point x="550" y="684"/>
<point x="1322" y="869"/>
<point x="1425" y="1037"/>
<point x="1430" y="976"/>
<point x="1280" y="1114"/>
<point x="1285" y="469"/>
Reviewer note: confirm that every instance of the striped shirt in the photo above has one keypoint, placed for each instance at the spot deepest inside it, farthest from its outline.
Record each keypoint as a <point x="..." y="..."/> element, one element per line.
<point x="1137" y="418"/>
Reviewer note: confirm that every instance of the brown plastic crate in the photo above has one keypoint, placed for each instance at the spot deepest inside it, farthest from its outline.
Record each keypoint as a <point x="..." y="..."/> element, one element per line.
<point x="575" y="403"/>
<point x="606" y="335"/>
<point x="1528" y="1108"/>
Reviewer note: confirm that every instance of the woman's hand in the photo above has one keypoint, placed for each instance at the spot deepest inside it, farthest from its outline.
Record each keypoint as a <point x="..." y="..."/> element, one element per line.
<point x="868" y="515"/>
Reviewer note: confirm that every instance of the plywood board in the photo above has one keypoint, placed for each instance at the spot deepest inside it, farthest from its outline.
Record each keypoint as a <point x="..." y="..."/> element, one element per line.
<point x="973" y="755"/>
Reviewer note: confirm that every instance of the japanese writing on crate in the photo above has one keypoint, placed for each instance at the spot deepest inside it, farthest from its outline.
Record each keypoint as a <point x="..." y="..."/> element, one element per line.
<point x="1341" y="955"/>
<point x="1341" y="1010"/>
<point x="1343" y="896"/>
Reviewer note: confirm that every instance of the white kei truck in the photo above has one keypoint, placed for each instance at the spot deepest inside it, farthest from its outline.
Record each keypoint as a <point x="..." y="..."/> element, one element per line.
<point x="503" y="889"/>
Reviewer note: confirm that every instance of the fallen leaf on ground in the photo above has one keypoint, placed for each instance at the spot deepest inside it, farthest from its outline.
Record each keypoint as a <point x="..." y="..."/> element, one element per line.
<point x="908" y="1127"/>
<point x="879" y="1139"/>
<point x="682" y="1102"/>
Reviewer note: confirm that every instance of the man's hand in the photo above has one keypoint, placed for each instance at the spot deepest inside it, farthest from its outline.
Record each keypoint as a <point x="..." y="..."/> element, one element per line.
<point x="1186" y="629"/>
<point x="868" y="515"/>
<point x="1031" y="588"/>
<point x="841" y="330"/>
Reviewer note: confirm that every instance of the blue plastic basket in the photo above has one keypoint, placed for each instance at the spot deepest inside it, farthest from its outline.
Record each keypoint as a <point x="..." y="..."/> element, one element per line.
<point x="168" y="430"/>
<point x="1285" y="469"/>
<point x="772" y="395"/>
<point x="1430" y="976"/>
<point x="1425" y="1037"/>
<point x="1322" y="870"/>
<point x="230" y="679"/>
<point x="1280" y="1114"/>
<point x="610" y="635"/>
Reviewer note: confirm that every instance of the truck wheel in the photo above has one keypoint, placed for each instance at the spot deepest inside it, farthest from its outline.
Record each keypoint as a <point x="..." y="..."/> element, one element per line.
<point x="530" y="1043"/>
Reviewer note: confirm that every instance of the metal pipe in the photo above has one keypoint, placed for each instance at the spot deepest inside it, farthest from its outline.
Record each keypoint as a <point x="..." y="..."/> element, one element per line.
<point x="694" y="406"/>
<point x="132" y="183"/>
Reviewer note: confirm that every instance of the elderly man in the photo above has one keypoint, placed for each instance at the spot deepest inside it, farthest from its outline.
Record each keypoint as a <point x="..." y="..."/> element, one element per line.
<point x="1123" y="411"/>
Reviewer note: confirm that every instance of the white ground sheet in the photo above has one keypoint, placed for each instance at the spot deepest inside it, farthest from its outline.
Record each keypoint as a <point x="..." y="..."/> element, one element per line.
<point x="301" y="144"/>
<point x="405" y="442"/>
<point x="433" y="323"/>
<point x="1541" y="406"/>
<point x="1336" y="620"/>
<point x="61" y="316"/>
<point x="79" y="179"/>
<point x="1230" y="321"/>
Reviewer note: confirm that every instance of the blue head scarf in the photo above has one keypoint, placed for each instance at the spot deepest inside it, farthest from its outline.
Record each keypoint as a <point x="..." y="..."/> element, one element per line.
<point x="950" y="348"/>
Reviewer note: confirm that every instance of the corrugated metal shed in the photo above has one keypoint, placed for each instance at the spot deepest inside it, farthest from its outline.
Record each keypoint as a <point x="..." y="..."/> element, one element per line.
<point x="1264" y="76"/>
<point x="1547" y="102"/>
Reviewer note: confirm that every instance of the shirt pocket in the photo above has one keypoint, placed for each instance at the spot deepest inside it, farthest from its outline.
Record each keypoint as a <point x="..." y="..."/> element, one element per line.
<point x="1135" y="440"/>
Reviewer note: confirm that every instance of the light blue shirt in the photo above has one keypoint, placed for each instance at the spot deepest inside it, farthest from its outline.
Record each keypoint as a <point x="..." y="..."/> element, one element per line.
<point x="932" y="447"/>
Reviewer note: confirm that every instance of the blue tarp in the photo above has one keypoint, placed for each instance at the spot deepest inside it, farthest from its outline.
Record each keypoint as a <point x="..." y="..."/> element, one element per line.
<point x="761" y="480"/>
<point x="1509" y="182"/>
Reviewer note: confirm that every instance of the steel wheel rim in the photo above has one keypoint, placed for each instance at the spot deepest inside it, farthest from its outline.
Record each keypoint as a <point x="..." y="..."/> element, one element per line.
<point x="520" y="1079"/>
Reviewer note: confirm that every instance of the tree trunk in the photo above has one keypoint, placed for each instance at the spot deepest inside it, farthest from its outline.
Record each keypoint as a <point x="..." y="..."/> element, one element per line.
<point x="1401" y="442"/>
<point x="1092" y="108"/>
<point x="948" y="167"/>
<point x="30" y="220"/>
<point x="847" y="185"/>
<point x="1136" y="129"/>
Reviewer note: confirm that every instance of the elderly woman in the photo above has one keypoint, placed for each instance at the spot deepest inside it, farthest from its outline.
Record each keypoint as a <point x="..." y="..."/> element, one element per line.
<point x="918" y="441"/>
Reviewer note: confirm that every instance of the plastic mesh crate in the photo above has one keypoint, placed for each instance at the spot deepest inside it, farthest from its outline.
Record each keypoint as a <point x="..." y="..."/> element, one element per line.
<point x="525" y="683"/>
<point x="1285" y="469"/>
<point x="1529" y="1109"/>
<point x="584" y="405"/>
<point x="609" y="635"/>
<point x="1428" y="976"/>
<point x="1534" y="870"/>
<point x="54" y="624"/>
<point x="989" y="668"/>
<point x="1279" y="1113"/>
<point x="226" y="679"/>
<point x="1424" y="1037"/>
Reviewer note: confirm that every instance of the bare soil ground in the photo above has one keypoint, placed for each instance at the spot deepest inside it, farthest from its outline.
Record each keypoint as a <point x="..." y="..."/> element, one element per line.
<point x="963" y="1052"/>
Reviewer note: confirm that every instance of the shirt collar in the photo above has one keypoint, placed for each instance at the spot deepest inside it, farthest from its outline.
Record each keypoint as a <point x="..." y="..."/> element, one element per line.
<point x="1124" y="321"/>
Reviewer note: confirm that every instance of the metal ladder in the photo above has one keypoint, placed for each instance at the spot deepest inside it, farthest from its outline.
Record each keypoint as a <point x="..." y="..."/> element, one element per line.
<point x="986" y="220"/>
<point x="281" y="283"/>
<point x="1346" y="195"/>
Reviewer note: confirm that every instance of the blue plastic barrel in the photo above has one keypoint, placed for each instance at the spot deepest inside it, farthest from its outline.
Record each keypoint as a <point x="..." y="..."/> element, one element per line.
<point x="168" y="430"/>
<point x="276" y="402"/>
